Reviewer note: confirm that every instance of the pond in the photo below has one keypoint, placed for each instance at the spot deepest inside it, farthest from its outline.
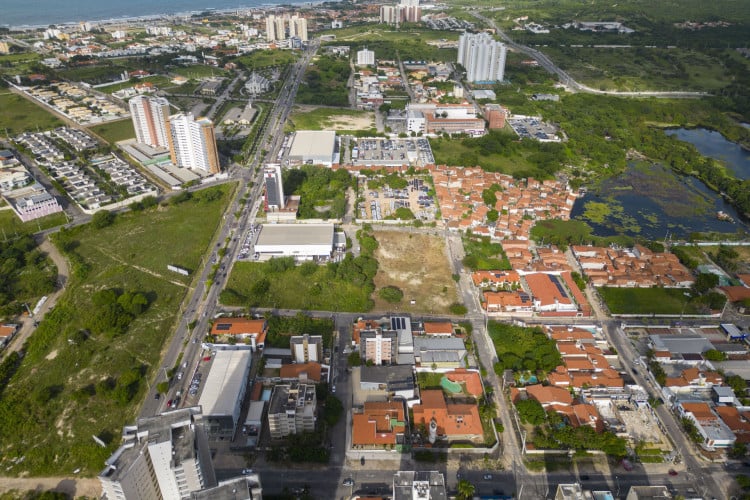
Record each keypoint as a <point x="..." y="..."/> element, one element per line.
<point x="650" y="200"/>
<point x="713" y="145"/>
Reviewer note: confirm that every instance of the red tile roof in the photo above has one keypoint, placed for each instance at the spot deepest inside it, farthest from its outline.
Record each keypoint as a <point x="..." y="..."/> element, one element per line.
<point x="452" y="419"/>
<point x="310" y="371"/>
<point x="378" y="424"/>
<point x="547" y="395"/>
<point x="438" y="328"/>
<point x="472" y="381"/>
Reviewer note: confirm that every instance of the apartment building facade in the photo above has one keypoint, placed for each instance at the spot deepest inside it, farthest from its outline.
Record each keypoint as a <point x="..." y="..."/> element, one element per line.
<point x="483" y="57"/>
<point x="150" y="117"/>
<point x="291" y="409"/>
<point x="192" y="143"/>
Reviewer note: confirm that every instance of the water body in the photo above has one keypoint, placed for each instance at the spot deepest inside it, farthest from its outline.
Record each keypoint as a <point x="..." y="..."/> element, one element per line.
<point x="46" y="12"/>
<point x="713" y="145"/>
<point x="650" y="200"/>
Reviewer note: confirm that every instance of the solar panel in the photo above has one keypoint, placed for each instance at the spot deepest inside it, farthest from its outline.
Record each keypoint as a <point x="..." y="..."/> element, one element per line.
<point x="223" y="326"/>
<point x="558" y="285"/>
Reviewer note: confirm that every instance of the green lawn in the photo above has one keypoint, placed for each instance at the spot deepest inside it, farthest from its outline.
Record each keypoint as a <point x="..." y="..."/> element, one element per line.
<point x="465" y="153"/>
<point x="199" y="71"/>
<point x="293" y="289"/>
<point x="20" y="63"/>
<point x="11" y="225"/>
<point x="647" y="301"/>
<point x="266" y="58"/>
<point x="21" y="115"/>
<point x="68" y="385"/>
<point x="160" y="81"/>
<point x="115" y="131"/>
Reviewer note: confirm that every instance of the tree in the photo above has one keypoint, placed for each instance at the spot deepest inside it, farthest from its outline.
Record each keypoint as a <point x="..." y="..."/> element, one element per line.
<point x="102" y="219"/>
<point x="705" y="282"/>
<point x="391" y="294"/>
<point x="458" y="309"/>
<point x="465" y="490"/>
<point x="354" y="359"/>
<point x="714" y="355"/>
<point x="531" y="411"/>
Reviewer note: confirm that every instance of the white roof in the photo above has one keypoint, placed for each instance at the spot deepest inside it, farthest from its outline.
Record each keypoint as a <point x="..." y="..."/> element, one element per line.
<point x="225" y="381"/>
<point x="295" y="234"/>
<point x="313" y="145"/>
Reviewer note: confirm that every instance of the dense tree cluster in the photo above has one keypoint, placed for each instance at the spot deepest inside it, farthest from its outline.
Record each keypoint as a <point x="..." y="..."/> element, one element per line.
<point x="25" y="275"/>
<point x="520" y="348"/>
<point x="325" y="82"/>
<point x="322" y="191"/>
<point x="113" y="310"/>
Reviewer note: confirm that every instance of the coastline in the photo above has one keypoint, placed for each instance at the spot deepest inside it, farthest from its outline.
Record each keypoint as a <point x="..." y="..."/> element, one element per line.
<point x="162" y="15"/>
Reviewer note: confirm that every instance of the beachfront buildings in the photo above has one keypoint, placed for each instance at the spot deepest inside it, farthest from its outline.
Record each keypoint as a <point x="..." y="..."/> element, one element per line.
<point x="150" y="120"/>
<point x="192" y="143"/>
<point x="483" y="57"/>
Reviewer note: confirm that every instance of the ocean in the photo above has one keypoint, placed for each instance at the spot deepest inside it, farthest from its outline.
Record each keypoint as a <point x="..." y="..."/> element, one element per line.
<point x="45" y="12"/>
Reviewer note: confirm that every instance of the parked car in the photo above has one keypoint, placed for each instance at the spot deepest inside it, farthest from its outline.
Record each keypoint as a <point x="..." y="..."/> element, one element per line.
<point x="348" y="482"/>
<point x="245" y="472"/>
<point x="157" y="395"/>
<point x="672" y="472"/>
<point x="169" y="404"/>
<point x="487" y="477"/>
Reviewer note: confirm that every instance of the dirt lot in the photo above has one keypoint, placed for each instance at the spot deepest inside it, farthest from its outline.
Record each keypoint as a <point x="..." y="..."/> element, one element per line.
<point x="418" y="265"/>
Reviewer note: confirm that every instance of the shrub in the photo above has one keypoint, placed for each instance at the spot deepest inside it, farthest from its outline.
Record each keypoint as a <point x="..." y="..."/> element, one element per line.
<point x="391" y="294"/>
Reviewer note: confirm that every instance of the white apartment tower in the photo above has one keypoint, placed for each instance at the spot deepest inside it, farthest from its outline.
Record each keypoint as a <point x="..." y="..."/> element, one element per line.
<point x="482" y="56"/>
<point x="192" y="143"/>
<point x="150" y="115"/>
<point x="274" y="187"/>
<point x="166" y="456"/>
<point x="275" y="28"/>
<point x="365" y="57"/>
<point x="298" y="27"/>
<point x="390" y="14"/>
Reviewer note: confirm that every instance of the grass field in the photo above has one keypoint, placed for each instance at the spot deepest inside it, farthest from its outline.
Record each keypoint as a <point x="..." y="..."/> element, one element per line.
<point x="199" y="71"/>
<point x="418" y="265"/>
<point x="455" y="152"/>
<point x="266" y="58"/>
<point x="20" y="115"/>
<point x="160" y="81"/>
<point x="69" y="382"/>
<point x="15" y="64"/>
<point x="646" y="301"/>
<point x="116" y="131"/>
<point x="11" y="225"/>
<point x="311" y="118"/>
<point x="293" y="289"/>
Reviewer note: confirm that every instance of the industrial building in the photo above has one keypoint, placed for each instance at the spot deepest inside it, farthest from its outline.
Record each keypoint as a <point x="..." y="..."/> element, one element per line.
<point x="221" y="399"/>
<point x="313" y="147"/>
<point x="292" y="409"/>
<point x="166" y="456"/>
<point x="301" y="241"/>
<point x="274" y="187"/>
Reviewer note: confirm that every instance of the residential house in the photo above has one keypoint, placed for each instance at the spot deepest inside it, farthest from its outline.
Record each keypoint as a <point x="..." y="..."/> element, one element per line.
<point x="447" y="421"/>
<point x="303" y="372"/>
<point x="247" y="330"/>
<point x="6" y="334"/>
<point x="379" y="424"/>
<point x="714" y="432"/>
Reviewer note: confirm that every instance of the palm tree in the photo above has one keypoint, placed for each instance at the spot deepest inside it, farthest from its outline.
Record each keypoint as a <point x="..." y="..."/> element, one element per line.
<point x="465" y="490"/>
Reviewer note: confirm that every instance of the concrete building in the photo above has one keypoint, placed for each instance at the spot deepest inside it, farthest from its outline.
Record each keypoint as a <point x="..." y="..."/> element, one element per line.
<point x="411" y="485"/>
<point x="495" y="116"/>
<point x="274" y="198"/>
<point x="714" y="432"/>
<point x="482" y="57"/>
<point x="249" y="331"/>
<point x="649" y="493"/>
<point x="379" y="346"/>
<point x="301" y="241"/>
<point x="223" y="392"/>
<point x="439" y="353"/>
<point x="192" y="143"/>
<point x="239" y="488"/>
<point x="32" y="202"/>
<point x="166" y="456"/>
<point x="314" y="147"/>
<point x="366" y="57"/>
<point x="275" y="29"/>
<point x="298" y="28"/>
<point x="397" y="380"/>
<point x="150" y="120"/>
<point x="292" y="409"/>
<point x="306" y="348"/>
<point x="390" y="14"/>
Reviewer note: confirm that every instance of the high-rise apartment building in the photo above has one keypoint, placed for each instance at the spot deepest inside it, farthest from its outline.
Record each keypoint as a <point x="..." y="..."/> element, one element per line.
<point x="166" y="456"/>
<point x="275" y="29"/>
<point x="306" y="348"/>
<point x="482" y="56"/>
<point x="298" y="27"/>
<point x="390" y="14"/>
<point x="365" y="57"/>
<point x="274" y="187"/>
<point x="192" y="143"/>
<point x="150" y="115"/>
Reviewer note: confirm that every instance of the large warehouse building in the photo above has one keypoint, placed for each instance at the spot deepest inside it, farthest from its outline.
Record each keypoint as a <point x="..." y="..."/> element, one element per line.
<point x="316" y="147"/>
<point x="301" y="241"/>
<point x="221" y="399"/>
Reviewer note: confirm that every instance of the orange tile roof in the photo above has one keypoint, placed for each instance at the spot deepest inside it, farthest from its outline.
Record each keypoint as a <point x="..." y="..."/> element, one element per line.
<point x="562" y="333"/>
<point x="438" y="328"/>
<point x="239" y="326"/>
<point x="547" y="395"/>
<point x="587" y="415"/>
<point x="544" y="290"/>
<point x="451" y="419"/>
<point x="7" y="330"/>
<point x="701" y="411"/>
<point x="471" y="380"/>
<point x="577" y="364"/>
<point x="310" y="370"/>
<point x="736" y="293"/>
<point x="738" y="422"/>
<point x="378" y="424"/>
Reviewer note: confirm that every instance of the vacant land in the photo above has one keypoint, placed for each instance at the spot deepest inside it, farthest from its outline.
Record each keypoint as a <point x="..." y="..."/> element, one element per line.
<point x="418" y="265"/>
<point x="408" y="44"/>
<point x="266" y="58"/>
<point x="160" y="81"/>
<point x="309" y="286"/>
<point x="21" y="115"/>
<point x="11" y="225"/>
<point x="117" y="131"/>
<point x="199" y="71"/>
<point x="647" y="300"/>
<point x="75" y="381"/>
<point x="312" y="118"/>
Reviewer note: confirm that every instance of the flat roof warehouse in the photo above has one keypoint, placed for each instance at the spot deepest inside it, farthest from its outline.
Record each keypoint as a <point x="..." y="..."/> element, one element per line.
<point x="298" y="240"/>
<point x="316" y="146"/>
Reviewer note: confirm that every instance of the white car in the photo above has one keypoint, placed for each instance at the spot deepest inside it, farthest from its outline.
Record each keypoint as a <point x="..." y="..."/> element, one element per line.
<point x="246" y="472"/>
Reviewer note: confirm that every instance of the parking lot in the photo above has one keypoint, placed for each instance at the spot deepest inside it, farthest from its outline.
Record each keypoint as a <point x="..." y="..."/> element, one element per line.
<point x="382" y="203"/>
<point x="532" y="127"/>
<point x="248" y="242"/>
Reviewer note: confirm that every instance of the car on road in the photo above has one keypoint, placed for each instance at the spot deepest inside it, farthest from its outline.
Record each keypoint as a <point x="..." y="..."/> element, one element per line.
<point x="245" y="472"/>
<point x="672" y="472"/>
<point x="348" y="482"/>
<point x="207" y="358"/>
<point x="169" y="404"/>
<point x="487" y="477"/>
<point x="157" y="395"/>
